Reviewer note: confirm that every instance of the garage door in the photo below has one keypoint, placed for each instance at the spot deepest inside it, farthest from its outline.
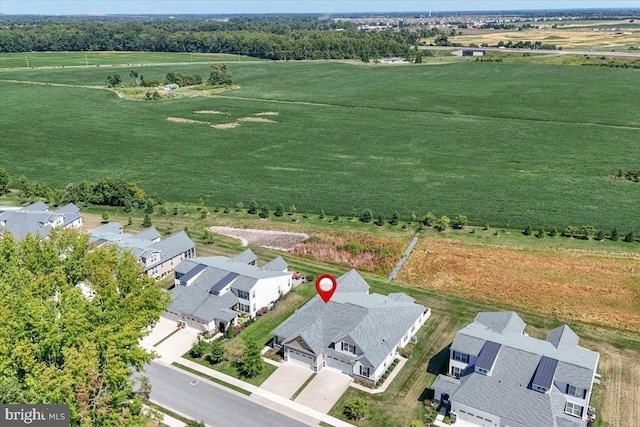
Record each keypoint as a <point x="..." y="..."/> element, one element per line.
<point x="473" y="418"/>
<point x="299" y="358"/>
<point x="334" y="362"/>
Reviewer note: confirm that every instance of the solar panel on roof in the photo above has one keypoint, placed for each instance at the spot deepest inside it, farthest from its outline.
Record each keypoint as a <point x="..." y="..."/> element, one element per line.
<point x="488" y="355"/>
<point x="215" y="289"/>
<point x="192" y="273"/>
<point x="545" y="372"/>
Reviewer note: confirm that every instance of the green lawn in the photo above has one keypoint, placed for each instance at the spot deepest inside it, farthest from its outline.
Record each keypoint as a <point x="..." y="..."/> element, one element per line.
<point x="231" y="370"/>
<point x="62" y="59"/>
<point x="507" y="144"/>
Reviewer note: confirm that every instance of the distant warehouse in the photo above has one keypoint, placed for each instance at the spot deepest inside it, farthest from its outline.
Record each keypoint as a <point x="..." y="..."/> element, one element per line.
<point x="465" y="53"/>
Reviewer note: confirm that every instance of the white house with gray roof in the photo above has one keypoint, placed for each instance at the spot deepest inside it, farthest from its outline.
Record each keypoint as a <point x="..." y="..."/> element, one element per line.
<point x="211" y="292"/>
<point x="357" y="332"/>
<point x="38" y="220"/>
<point x="501" y="377"/>
<point x="158" y="256"/>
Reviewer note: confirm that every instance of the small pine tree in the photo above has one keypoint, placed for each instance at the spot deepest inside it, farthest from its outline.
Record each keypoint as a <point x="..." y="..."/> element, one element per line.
<point x="105" y="216"/>
<point x="553" y="232"/>
<point x="367" y="216"/>
<point x="356" y="409"/>
<point x="264" y="211"/>
<point x="164" y="210"/>
<point x="279" y="210"/>
<point x="215" y="354"/>
<point x="630" y="237"/>
<point x="380" y="220"/>
<point x="128" y="207"/>
<point x="541" y="233"/>
<point x="614" y="235"/>
<point x="336" y="218"/>
<point x="429" y="219"/>
<point x="226" y="210"/>
<point x="204" y="213"/>
<point x="322" y="215"/>
<point x="130" y="221"/>
<point x="230" y="334"/>
<point x="146" y="222"/>
<point x="149" y="207"/>
<point x="527" y="231"/>
<point x="486" y="227"/>
<point x="253" y="207"/>
<point x="198" y="349"/>
<point x="353" y="214"/>
<point x="395" y="218"/>
<point x="176" y="211"/>
<point x="251" y="364"/>
<point x="600" y="235"/>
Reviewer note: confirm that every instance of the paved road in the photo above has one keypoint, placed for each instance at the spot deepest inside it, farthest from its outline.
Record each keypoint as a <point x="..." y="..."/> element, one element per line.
<point x="542" y="51"/>
<point x="215" y="406"/>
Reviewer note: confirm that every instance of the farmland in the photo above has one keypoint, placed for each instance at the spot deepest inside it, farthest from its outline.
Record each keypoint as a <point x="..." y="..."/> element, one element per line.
<point x="508" y="144"/>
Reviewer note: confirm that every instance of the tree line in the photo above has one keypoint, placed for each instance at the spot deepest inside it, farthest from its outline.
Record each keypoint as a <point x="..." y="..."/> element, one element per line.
<point x="301" y="38"/>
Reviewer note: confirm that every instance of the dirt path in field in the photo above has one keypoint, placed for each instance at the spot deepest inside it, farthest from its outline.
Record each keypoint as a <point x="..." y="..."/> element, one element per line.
<point x="280" y="240"/>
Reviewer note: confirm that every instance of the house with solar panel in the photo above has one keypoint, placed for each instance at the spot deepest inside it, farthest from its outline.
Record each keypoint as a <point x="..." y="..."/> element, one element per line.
<point x="210" y="293"/>
<point x="356" y="332"/>
<point x="501" y="377"/>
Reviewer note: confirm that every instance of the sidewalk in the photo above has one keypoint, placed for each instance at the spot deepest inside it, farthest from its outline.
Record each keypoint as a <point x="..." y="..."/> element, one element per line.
<point x="264" y="397"/>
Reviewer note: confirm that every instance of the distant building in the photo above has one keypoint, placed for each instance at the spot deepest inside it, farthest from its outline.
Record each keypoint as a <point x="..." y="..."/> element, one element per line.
<point x="466" y="53"/>
<point x="38" y="220"/>
<point x="391" y="61"/>
<point x="500" y="376"/>
<point x="158" y="257"/>
<point x="170" y="86"/>
<point x="211" y="292"/>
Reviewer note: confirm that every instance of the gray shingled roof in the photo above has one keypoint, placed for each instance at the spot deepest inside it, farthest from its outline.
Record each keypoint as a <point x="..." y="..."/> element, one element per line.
<point x="276" y="264"/>
<point x="375" y="322"/>
<point x="173" y="246"/>
<point x="245" y="257"/>
<point x="36" y="219"/>
<point x="447" y="384"/>
<point x="352" y="282"/>
<point x="563" y="336"/>
<point x="227" y="264"/>
<point x="196" y="300"/>
<point x="503" y="322"/>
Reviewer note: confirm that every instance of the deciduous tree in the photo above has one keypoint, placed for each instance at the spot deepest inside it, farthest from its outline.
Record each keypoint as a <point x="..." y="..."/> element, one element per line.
<point x="251" y="363"/>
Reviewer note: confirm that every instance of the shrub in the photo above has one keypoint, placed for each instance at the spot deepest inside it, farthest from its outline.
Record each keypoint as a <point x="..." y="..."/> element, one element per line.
<point x="630" y="237"/>
<point x="226" y="210"/>
<point x="541" y="233"/>
<point x="553" y="232"/>
<point x="230" y="334"/>
<point x="105" y="216"/>
<point x="234" y="350"/>
<point x="176" y="211"/>
<point x="380" y="221"/>
<point x="279" y="210"/>
<point x="146" y="222"/>
<point x="322" y="215"/>
<point x="527" y="231"/>
<point x="198" y="349"/>
<point x="264" y="211"/>
<point x="357" y="409"/>
<point x="600" y="235"/>
<point x="614" y="235"/>
<point x="215" y="353"/>
<point x="253" y="208"/>
<point x="367" y="216"/>
<point x="429" y="219"/>
<point x="405" y="352"/>
<point x="395" y="218"/>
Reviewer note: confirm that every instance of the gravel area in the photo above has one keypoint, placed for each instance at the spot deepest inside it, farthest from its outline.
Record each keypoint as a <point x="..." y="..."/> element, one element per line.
<point x="281" y="240"/>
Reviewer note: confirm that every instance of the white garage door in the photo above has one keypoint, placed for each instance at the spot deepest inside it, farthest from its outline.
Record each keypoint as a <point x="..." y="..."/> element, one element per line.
<point x="475" y="419"/>
<point x="334" y="362"/>
<point x="299" y="358"/>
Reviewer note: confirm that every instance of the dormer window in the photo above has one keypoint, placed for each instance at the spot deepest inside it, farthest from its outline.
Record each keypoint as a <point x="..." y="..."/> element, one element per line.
<point x="539" y="388"/>
<point x="348" y="348"/>
<point x="575" y="391"/>
<point x="460" y="357"/>
<point x="482" y="371"/>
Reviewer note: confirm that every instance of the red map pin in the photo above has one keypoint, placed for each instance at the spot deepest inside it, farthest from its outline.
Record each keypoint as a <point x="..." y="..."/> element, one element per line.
<point x="326" y="286"/>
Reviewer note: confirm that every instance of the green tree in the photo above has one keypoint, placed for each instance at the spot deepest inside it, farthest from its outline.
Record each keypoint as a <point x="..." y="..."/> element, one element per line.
<point x="251" y="363"/>
<point x="146" y="221"/>
<point x="220" y="75"/>
<point x="199" y="349"/>
<point x="113" y="80"/>
<point x="541" y="233"/>
<point x="130" y="221"/>
<point x="230" y="334"/>
<point x="553" y="232"/>
<point x="357" y="409"/>
<point x="418" y="58"/>
<point x="253" y="208"/>
<point x="128" y="207"/>
<point x="61" y="347"/>
<point x="215" y="353"/>
<point x="429" y="219"/>
<point x="614" y="235"/>
<point x="600" y="235"/>
<point x="395" y="218"/>
<point x="367" y="215"/>
<point x="380" y="220"/>
<point x="630" y="237"/>
<point x="461" y="221"/>
<point x="264" y="211"/>
<point x="443" y="223"/>
<point x="105" y="216"/>
<point x="5" y="181"/>
<point x="176" y="211"/>
<point x="322" y="216"/>
<point x="279" y="210"/>
<point x="528" y="231"/>
<point x="149" y="207"/>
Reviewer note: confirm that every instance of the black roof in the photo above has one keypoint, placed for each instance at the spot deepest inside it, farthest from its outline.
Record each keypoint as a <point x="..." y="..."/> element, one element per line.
<point x="545" y="372"/>
<point x="215" y="289"/>
<point x="488" y="355"/>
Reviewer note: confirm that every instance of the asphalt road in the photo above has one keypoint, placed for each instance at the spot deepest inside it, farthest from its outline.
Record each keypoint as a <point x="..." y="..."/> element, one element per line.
<point x="213" y="405"/>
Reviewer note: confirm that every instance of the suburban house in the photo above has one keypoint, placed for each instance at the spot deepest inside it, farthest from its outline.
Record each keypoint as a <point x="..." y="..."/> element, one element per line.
<point x="210" y="293"/>
<point x="38" y="220"/>
<point x="357" y="332"/>
<point x="501" y="377"/>
<point x="158" y="256"/>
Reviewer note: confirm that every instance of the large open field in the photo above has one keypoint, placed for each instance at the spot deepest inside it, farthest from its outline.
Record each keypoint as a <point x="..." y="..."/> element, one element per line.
<point x="509" y="144"/>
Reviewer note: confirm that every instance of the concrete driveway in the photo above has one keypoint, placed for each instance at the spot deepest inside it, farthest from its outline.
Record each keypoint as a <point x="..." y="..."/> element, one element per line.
<point x="286" y="380"/>
<point x="324" y="390"/>
<point x="162" y="328"/>
<point x="176" y="345"/>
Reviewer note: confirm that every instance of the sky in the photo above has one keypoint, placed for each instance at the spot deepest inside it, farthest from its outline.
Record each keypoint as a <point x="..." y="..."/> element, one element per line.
<point x="101" y="7"/>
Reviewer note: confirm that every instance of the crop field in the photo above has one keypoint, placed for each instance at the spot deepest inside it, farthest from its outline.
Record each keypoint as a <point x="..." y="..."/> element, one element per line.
<point x="62" y="59"/>
<point x="508" y="144"/>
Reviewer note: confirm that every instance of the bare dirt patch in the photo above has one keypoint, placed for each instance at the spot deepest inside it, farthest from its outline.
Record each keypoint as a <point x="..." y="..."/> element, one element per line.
<point x="212" y="112"/>
<point x="281" y="240"/>
<point x="181" y="120"/>
<point x="257" y="119"/>
<point x="267" y="113"/>
<point x="225" y="126"/>
<point x="572" y="287"/>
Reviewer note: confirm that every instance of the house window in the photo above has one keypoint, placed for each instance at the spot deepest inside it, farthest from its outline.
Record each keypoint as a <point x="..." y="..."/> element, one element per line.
<point x="364" y="371"/>
<point x="575" y="391"/>
<point x="456" y="371"/>
<point x="460" y="357"/>
<point x="244" y="308"/>
<point x="348" y="348"/>
<point x="253" y="294"/>
<point x="539" y="388"/>
<point x="573" y="409"/>
<point x="254" y="306"/>
<point x="243" y="295"/>
<point x="482" y="371"/>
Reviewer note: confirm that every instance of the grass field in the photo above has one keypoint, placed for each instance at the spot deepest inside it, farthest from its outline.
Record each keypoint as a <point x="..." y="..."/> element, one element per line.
<point x="62" y="59"/>
<point x="508" y="144"/>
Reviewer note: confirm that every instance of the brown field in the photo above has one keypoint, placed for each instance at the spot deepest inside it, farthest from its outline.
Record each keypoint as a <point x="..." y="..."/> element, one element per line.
<point x="587" y="288"/>
<point x="574" y="39"/>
